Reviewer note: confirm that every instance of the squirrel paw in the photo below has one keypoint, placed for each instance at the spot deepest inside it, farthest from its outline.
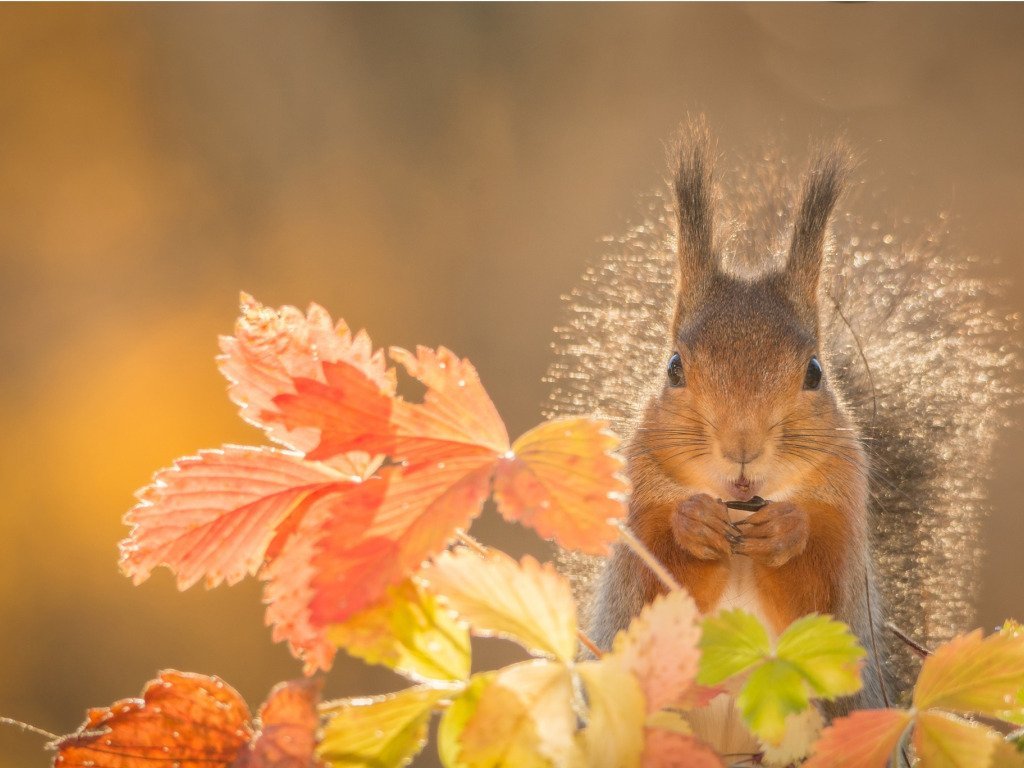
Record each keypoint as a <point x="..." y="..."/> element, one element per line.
<point x="775" y="534"/>
<point x="702" y="528"/>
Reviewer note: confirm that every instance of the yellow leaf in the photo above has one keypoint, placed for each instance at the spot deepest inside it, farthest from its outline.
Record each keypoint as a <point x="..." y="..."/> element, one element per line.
<point x="947" y="741"/>
<point x="525" y="601"/>
<point x="614" y="736"/>
<point x="523" y="719"/>
<point x="973" y="674"/>
<point x="410" y="633"/>
<point x="454" y="719"/>
<point x="378" y="730"/>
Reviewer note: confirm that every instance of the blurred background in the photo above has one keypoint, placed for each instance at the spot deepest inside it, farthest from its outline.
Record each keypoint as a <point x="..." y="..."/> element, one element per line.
<point x="436" y="174"/>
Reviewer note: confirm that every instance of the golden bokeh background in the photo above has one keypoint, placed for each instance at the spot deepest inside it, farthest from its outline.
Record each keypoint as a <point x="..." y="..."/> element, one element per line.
<point x="437" y="174"/>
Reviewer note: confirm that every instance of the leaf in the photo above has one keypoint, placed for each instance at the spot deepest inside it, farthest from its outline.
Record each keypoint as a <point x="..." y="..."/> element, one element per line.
<point x="288" y="728"/>
<point x="455" y="718"/>
<point x="409" y="633"/>
<point x="801" y="731"/>
<point x="563" y="481"/>
<point x="826" y="653"/>
<point x="415" y="515"/>
<point x="523" y="719"/>
<point x="271" y="348"/>
<point x="193" y="720"/>
<point x="973" y="674"/>
<point x="731" y="642"/>
<point x="377" y="731"/>
<point x="667" y="749"/>
<point x="946" y="741"/>
<point x="864" y="739"/>
<point x="523" y="601"/>
<point x="214" y="515"/>
<point x="614" y="736"/>
<point x="660" y="648"/>
<point x="773" y="691"/>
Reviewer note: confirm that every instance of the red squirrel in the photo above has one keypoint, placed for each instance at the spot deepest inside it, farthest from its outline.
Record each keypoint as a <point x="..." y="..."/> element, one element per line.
<point x="747" y="409"/>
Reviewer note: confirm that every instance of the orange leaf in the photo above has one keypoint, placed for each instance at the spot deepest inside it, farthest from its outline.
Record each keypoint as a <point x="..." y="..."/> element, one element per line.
<point x="189" y="720"/>
<point x="288" y="725"/>
<point x="416" y="514"/>
<point x="660" y="648"/>
<point x="214" y="515"/>
<point x="563" y="481"/>
<point x="972" y="673"/>
<point x="865" y="739"/>
<point x="272" y="348"/>
<point x="668" y="749"/>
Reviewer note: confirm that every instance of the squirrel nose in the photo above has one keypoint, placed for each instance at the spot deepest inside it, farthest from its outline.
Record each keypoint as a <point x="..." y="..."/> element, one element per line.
<point x="742" y="456"/>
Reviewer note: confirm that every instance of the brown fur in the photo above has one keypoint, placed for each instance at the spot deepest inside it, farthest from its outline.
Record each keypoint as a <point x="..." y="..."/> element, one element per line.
<point x="744" y="416"/>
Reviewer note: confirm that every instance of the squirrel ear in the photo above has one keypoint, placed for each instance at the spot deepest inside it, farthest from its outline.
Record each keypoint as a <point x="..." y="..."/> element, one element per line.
<point x="822" y="188"/>
<point x="695" y="225"/>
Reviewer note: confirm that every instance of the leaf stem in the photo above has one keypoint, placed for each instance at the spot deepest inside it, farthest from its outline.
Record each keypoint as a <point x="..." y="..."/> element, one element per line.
<point x="481" y="550"/>
<point x="29" y="728"/>
<point x="640" y="550"/>
<point x="919" y="649"/>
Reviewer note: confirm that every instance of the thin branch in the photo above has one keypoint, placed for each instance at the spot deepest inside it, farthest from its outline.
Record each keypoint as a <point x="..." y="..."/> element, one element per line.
<point x="640" y="550"/>
<point x="28" y="728"/>
<point x="919" y="649"/>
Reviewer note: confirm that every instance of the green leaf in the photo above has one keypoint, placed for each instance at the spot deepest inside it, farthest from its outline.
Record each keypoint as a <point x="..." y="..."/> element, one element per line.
<point x="410" y="633"/>
<point x="731" y="642"/>
<point x="774" y="690"/>
<point x="524" y="719"/>
<point x="825" y="652"/>
<point x="454" y="719"/>
<point x="378" y="731"/>
<point x="614" y="736"/>
<point x="942" y="740"/>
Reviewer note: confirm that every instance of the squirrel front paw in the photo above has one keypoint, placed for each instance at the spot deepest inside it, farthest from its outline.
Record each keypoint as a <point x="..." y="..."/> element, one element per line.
<point x="701" y="526"/>
<point x="775" y="534"/>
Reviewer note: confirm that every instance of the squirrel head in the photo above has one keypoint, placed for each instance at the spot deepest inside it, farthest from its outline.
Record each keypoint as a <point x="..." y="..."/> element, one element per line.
<point x="746" y="408"/>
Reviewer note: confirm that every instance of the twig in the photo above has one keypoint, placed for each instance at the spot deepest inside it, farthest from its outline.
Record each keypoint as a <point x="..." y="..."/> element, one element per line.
<point x="481" y="550"/>
<point x="919" y="649"/>
<point x="640" y="550"/>
<point x="28" y="728"/>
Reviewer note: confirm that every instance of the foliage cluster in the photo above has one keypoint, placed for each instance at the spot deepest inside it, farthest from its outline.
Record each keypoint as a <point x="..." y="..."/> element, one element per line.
<point x="357" y="523"/>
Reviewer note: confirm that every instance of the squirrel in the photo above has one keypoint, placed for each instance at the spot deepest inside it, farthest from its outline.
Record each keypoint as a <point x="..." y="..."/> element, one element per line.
<point x="764" y="391"/>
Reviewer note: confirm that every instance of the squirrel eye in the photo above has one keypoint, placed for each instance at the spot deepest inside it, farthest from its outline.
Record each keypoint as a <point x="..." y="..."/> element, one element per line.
<point x="675" y="371"/>
<point x="812" y="379"/>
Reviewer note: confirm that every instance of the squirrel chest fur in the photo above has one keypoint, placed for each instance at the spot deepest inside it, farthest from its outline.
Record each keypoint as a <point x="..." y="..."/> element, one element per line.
<point x="747" y="409"/>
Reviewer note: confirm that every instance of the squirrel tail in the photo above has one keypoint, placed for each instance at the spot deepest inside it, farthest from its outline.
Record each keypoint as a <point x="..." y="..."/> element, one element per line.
<point x="923" y="360"/>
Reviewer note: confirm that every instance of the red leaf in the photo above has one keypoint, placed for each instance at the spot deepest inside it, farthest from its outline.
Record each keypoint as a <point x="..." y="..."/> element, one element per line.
<point x="564" y="482"/>
<point x="416" y="514"/>
<point x="189" y="720"/>
<point x="214" y="515"/>
<point x="864" y="739"/>
<point x="288" y="726"/>
<point x="272" y="348"/>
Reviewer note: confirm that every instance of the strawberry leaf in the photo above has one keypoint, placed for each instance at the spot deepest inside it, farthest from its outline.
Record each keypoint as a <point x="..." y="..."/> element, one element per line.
<point x="731" y="642"/>
<point x="523" y="601"/>
<point x="864" y="739"/>
<point x="409" y="633"/>
<point x="669" y="749"/>
<point x="774" y="690"/>
<point x="455" y="718"/>
<point x="614" y="736"/>
<point x="384" y="730"/>
<point x="193" y="720"/>
<point x="288" y="728"/>
<point x="826" y="653"/>
<point x="942" y="740"/>
<point x="563" y="481"/>
<point x="215" y="514"/>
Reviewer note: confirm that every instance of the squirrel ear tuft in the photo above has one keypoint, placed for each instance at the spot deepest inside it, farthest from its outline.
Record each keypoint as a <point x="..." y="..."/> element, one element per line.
<point x="694" y="195"/>
<point x="822" y="188"/>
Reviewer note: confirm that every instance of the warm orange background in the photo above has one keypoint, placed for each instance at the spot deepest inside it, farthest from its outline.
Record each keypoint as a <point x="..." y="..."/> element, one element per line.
<point x="438" y="174"/>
